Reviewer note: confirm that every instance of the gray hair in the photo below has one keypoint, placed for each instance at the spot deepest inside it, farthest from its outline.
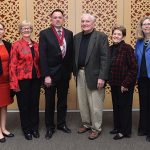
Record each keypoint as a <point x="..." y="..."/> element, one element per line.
<point x="93" y="19"/>
<point x="25" y="23"/>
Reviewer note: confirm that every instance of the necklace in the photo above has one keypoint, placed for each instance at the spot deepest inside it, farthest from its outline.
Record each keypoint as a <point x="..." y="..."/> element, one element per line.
<point x="146" y="42"/>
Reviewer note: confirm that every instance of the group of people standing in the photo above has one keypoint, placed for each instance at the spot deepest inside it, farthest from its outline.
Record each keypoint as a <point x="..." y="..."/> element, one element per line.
<point x="26" y="65"/>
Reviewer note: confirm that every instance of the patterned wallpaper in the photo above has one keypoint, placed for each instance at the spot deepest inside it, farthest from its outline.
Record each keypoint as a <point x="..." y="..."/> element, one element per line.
<point x="10" y="17"/>
<point x="42" y="9"/>
<point x="139" y="8"/>
<point x="105" y="12"/>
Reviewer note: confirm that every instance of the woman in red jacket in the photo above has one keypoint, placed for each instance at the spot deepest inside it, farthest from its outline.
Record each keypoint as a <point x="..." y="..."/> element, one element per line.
<point x="25" y="79"/>
<point x="5" y="98"/>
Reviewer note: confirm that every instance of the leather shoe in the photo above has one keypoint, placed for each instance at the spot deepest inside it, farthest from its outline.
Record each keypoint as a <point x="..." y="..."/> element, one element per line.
<point x="2" y="140"/>
<point x="83" y="129"/>
<point x="64" y="129"/>
<point x="8" y="135"/>
<point x="141" y="134"/>
<point x="35" y="134"/>
<point x="114" y="131"/>
<point x="49" y="134"/>
<point x="118" y="136"/>
<point x="148" y="138"/>
<point x="94" y="135"/>
<point x="28" y="136"/>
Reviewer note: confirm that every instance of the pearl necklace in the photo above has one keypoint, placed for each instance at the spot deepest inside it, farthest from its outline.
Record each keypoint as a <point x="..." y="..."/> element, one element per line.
<point x="146" y="42"/>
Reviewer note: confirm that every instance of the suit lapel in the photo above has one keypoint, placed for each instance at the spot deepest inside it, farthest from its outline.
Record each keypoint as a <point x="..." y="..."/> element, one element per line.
<point x="53" y="38"/>
<point x="90" y="46"/>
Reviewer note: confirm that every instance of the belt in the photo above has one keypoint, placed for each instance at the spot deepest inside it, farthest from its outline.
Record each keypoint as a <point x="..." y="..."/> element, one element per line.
<point x="81" y="68"/>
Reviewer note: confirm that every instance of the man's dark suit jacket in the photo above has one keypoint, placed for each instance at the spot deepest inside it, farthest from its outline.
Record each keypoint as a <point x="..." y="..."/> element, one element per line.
<point x="51" y="62"/>
<point x="97" y="59"/>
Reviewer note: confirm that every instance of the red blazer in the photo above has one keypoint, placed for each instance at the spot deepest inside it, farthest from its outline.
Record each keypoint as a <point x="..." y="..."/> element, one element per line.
<point x="21" y="62"/>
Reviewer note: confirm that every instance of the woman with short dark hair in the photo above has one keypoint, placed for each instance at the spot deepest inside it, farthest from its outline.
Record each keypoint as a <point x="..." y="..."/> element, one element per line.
<point x="123" y="71"/>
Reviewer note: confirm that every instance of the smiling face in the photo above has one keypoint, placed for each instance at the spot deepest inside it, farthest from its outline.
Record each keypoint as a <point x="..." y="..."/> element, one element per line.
<point x="87" y="23"/>
<point x="26" y="31"/>
<point x="57" y="19"/>
<point x="117" y="36"/>
<point x="2" y="31"/>
<point x="146" y="26"/>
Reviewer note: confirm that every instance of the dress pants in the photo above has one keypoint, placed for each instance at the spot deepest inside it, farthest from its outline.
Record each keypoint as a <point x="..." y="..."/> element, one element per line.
<point x="90" y="103"/>
<point x="61" y="87"/>
<point x="28" y="103"/>
<point x="122" y="109"/>
<point x="144" y="99"/>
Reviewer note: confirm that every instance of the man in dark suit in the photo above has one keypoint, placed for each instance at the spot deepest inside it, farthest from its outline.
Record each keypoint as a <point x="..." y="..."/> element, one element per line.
<point x="91" y="70"/>
<point x="56" y="55"/>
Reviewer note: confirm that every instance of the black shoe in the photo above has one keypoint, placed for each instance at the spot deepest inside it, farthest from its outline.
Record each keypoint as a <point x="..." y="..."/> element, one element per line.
<point x="64" y="129"/>
<point x="114" y="131"/>
<point x="148" y="138"/>
<point x="8" y="135"/>
<point x="141" y="134"/>
<point x="118" y="136"/>
<point x="2" y="140"/>
<point x="49" y="133"/>
<point x="28" y="136"/>
<point x="35" y="134"/>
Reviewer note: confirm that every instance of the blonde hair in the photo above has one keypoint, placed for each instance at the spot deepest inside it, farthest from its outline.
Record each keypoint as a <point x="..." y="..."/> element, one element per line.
<point x="25" y="23"/>
<point x="139" y="32"/>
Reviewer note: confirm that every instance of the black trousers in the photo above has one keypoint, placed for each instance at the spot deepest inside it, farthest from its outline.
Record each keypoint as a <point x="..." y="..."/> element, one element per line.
<point x="61" y="88"/>
<point x="28" y="103"/>
<point x="144" y="99"/>
<point x="122" y="109"/>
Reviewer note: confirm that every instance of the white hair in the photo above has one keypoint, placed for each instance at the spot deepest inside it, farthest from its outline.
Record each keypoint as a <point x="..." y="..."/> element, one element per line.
<point x="92" y="18"/>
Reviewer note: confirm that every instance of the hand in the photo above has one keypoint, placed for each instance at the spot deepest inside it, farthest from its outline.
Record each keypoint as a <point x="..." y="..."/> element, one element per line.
<point x="48" y="81"/>
<point x="100" y="83"/>
<point x="123" y="89"/>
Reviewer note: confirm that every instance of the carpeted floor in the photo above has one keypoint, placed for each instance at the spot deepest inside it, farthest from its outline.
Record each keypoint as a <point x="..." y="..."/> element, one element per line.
<point x="73" y="141"/>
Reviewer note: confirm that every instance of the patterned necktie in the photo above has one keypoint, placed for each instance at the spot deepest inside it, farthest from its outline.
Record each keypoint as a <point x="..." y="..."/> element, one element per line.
<point x="59" y="33"/>
<point x="63" y="51"/>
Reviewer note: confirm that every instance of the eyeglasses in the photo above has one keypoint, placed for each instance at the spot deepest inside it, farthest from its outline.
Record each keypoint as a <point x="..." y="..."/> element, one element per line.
<point x="24" y="29"/>
<point x="146" y="24"/>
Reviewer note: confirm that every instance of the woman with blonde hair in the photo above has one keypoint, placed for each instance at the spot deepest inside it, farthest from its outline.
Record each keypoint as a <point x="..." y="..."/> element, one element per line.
<point x="142" y="50"/>
<point x="5" y="97"/>
<point x="25" y="79"/>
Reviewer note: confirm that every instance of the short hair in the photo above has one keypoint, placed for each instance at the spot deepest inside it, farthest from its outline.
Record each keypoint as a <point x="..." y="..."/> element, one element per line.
<point x="25" y="23"/>
<point x="90" y="16"/>
<point x="57" y="10"/>
<point x="2" y="25"/>
<point x="120" y="28"/>
<point x="139" y="32"/>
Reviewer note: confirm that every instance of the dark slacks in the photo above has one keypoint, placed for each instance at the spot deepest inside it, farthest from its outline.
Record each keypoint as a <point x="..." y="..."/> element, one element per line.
<point x="122" y="109"/>
<point x="61" y="87"/>
<point x="28" y="103"/>
<point x="144" y="99"/>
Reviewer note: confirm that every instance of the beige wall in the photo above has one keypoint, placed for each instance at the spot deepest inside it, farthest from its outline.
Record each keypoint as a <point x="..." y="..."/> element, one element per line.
<point x="107" y="13"/>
